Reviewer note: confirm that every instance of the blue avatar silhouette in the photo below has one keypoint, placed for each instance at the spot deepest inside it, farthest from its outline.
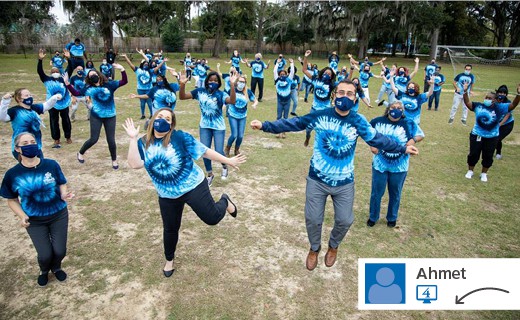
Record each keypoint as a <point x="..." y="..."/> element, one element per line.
<point x="385" y="291"/>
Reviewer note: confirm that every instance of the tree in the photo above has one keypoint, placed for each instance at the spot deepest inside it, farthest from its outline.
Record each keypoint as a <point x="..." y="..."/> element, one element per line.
<point x="172" y="36"/>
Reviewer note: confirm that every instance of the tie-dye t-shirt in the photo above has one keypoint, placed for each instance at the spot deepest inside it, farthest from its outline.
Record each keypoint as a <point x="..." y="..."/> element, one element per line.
<point x="102" y="97"/>
<point x="171" y="168"/>
<point x="364" y="77"/>
<point x="26" y="120"/>
<point x="401" y="131"/>
<point x="322" y="92"/>
<point x="257" y="68"/>
<point x="210" y="108"/>
<point x="412" y="105"/>
<point x="38" y="188"/>
<point x="54" y="86"/>
<point x="239" y="109"/>
<point x="144" y="79"/>
<point x="401" y="82"/>
<point x="283" y="89"/>
<point x="462" y="79"/>
<point x="78" y="82"/>
<point x="487" y="119"/>
<point x="332" y="161"/>
<point x="163" y="98"/>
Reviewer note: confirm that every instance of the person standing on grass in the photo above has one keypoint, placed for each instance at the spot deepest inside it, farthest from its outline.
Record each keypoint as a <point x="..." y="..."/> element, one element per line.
<point x="257" y="75"/>
<point x="24" y="117"/>
<point x="235" y="61"/>
<point x="439" y="80"/>
<point x="54" y="84"/>
<point x="100" y="91"/>
<point x="212" y="127"/>
<point x="323" y="85"/>
<point x="429" y="70"/>
<point x="365" y="62"/>
<point x="458" y="83"/>
<point x="163" y="95"/>
<point x="282" y="82"/>
<point x="237" y="114"/>
<point x="364" y="77"/>
<point x="485" y="133"/>
<point x="307" y="81"/>
<point x="78" y="81"/>
<point x="110" y="56"/>
<point x="188" y="65"/>
<point x="57" y="61"/>
<point x="106" y="69"/>
<point x="36" y="192"/>
<point x="401" y="80"/>
<point x="201" y="71"/>
<point x="143" y="75"/>
<point x="295" y="88"/>
<point x="331" y="172"/>
<point x="385" y="86"/>
<point x="76" y="54"/>
<point x="507" y="122"/>
<point x="168" y="156"/>
<point x="390" y="168"/>
<point x="334" y="61"/>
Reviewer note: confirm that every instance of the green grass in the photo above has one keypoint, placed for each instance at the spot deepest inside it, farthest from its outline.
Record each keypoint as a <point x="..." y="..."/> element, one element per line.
<point x="253" y="267"/>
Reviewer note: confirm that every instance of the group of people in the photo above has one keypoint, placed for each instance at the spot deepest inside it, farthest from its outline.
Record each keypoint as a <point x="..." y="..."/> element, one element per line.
<point x="36" y="187"/>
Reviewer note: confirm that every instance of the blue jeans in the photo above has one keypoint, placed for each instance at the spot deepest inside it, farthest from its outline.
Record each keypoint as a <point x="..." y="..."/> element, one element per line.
<point x="395" y="181"/>
<point x="206" y="137"/>
<point x="145" y="101"/>
<point x="238" y="127"/>
<point x="307" y="86"/>
<point x="283" y="109"/>
<point x="437" y="96"/>
<point x="389" y="93"/>
<point x="294" y="99"/>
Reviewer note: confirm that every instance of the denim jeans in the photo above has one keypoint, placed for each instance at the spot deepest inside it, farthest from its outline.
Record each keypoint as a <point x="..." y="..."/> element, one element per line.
<point x="206" y="137"/>
<point x="145" y="101"/>
<point x="283" y="109"/>
<point x="294" y="99"/>
<point x="238" y="127"/>
<point x="307" y="86"/>
<point x="437" y="96"/>
<point x="395" y="182"/>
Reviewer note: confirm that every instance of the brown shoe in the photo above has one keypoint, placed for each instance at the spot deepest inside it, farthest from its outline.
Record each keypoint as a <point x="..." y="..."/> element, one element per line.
<point x="227" y="150"/>
<point x="312" y="260"/>
<point x="69" y="141"/>
<point x="330" y="257"/>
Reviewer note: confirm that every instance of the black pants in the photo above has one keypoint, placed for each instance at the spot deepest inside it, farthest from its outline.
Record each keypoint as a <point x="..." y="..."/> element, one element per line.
<point x="202" y="203"/>
<point x="73" y="63"/>
<point x="49" y="237"/>
<point x="426" y="86"/>
<point x="95" y="129"/>
<point x="54" y="118"/>
<point x="486" y="147"/>
<point x="260" y="82"/>
<point x="503" y="132"/>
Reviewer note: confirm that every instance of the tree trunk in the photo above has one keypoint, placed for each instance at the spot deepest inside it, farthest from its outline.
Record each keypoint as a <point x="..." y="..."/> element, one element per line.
<point x="218" y="39"/>
<point x="363" y="43"/>
<point x="260" y="30"/>
<point x="394" y="44"/>
<point x="433" y="43"/>
<point x="106" y="32"/>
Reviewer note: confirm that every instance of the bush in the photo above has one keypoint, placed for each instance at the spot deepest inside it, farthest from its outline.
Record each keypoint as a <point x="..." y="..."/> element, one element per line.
<point x="172" y="36"/>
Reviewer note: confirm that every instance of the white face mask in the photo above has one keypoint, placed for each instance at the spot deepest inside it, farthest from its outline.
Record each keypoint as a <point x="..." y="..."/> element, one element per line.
<point x="55" y="75"/>
<point x="104" y="62"/>
<point x="241" y="86"/>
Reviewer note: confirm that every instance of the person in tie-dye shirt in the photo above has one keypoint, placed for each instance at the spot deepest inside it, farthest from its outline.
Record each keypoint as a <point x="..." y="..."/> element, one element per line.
<point x="168" y="156"/>
<point x="390" y="168"/>
<point x="331" y="171"/>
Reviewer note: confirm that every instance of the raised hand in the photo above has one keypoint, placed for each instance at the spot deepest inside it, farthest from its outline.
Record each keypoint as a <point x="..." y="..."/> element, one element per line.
<point x="66" y="53"/>
<point x="130" y="128"/>
<point x="123" y="55"/>
<point x="233" y="79"/>
<point x="308" y="53"/>
<point x="183" y="79"/>
<point x="7" y="96"/>
<point x="416" y="60"/>
<point x="432" y="80"/>
<point x="118" y="66"/>
<point x="41" y="54"/>
<point x="291" y="60"/>
<point x="256" y="125"/>
<point x="65" y="77"/>
<point x="465" y="86"/>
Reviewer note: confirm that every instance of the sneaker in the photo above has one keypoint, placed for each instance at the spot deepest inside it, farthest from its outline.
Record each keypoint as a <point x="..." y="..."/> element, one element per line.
<point x="43" y="279"/>
<point x="294" y="114"/>
<point x="56" y="146"/>
<point x="483" y="177"/>
<point x="305" y="100"/>
<point x="469" y="174"/>
<point x="142" y="117"/>
<point x="380" y="103"/>
<point x="450" y="121"/>
<point x="498" y="156"/>
<point x="391" y="224"/>
<point x="210" y="179"/>
<point x="224" y="173"/>
<point x="259" y="100"/>
<point x="60" y="275"/>
<point x="377" y="101"/>
<point x="463" y="122"/>
<point x="371" y="223"/>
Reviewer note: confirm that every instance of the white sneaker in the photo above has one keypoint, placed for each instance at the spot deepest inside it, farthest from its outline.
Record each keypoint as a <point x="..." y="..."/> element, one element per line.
<point x="469" y="174"/>
<point x="224" y="174"/>
<point x="210" y="179"/>
<point x="498" y="156"/>
<point x="377" y="101"/>
<point x="483" y="177"/>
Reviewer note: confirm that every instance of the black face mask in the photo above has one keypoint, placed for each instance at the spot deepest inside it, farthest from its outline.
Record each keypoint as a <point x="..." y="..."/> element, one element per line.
<point x="94" y="78"/>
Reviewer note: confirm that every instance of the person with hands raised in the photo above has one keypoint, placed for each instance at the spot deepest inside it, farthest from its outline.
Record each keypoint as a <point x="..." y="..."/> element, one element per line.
<point x="485" y="133"/>
<point x="283" y="82"/>
<point x="212" y="127"/>
<point x="257" y="76"/>
<point x="36" y="192"/>
<point x="331" y="171"/>
<point x="168" y="156"/>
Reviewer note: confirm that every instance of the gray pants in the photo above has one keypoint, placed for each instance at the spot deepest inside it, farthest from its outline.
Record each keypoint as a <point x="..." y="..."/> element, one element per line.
<point x="316" y="197"/>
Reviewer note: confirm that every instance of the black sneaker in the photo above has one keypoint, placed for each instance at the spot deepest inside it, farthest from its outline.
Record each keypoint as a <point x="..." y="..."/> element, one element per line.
<point x="294" y="114"/>
<point x="391" y="224"/>
<point x="381" y="103"/>
<point x="60" y="275"/>
<point x="43" y="279"/>
<point x="142" y="117"/>
<point x="371" y="223"/>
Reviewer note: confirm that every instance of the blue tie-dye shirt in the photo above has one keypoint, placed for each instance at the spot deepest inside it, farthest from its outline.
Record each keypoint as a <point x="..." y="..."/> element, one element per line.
<point x="295" y="82"/>
<point x="201" y="71"/>
<point x="106" y="70"/>
<point x="235" y="61"/>
<point x="412" y="105"/>
<point x="333" y="62"/>
<point x="487" y="119"/>
<point x="400" y="131"/>
<point x="144" y="78"/>
<point x="54" y="86"/>
<point x="332" y="161"/>
<point x="57" y="61"/>
<point x="322" y="92"/>
<point x="163" y="98"/>
<point x="401" y="82"/>
<point x="429" y="70"/>
<point x="437" y="80"/>
<point x="239" y="109"/>
<point x="283" y="89"/>
<point x="281" y="64"/>
<point x="257" y="68"/>
<point x="76" y="50"/>
<point x="463" y="78"/>
<point x="172" y="169"/>
<point x="364" y="77"/>
<point x="210" y="108"/>
<point x="26" y="120"/>
<point x="102" y="97"/>
<point x="78" y="82"/>
<point x="38" y="188"/>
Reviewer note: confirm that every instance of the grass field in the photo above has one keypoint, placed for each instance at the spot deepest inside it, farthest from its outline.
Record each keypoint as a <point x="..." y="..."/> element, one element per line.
<point x="253" y="267"/>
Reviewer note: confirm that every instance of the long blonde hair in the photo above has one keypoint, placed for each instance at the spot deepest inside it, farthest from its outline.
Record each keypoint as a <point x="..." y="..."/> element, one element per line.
<point x="150" y="131"/>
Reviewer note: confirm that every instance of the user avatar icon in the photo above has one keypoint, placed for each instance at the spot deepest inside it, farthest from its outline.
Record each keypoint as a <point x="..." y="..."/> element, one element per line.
<point x="386" y="285"/>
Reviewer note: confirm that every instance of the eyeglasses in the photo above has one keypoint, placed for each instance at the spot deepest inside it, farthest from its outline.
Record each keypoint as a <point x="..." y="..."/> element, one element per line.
<point x="343" y="93"/>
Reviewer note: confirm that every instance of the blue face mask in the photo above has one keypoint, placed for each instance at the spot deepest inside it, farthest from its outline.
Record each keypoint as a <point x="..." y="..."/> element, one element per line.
<point x="344" y="103"/>
<point x="30" y="150"/>
<point x="283" y="78"/>
<point x="501" y="98"/>
<point x="146" y="68"/>
<point x="401" y="73"/>
<point x="212" y="86"/>
<point x="161" y="125"/>
<point x="28" y="101"/>
<point x="396" y="113"/>
<point x="488" y="102"/>
<point x="160" y="83"/>
<point x="257" y="59"/>
<point x="81" y="73"/>
<point x="325" y="77"/>
<point x="411" y="91"/>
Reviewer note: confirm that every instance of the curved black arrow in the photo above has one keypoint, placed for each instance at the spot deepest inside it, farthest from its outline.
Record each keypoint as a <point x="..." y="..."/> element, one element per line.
<point x="459" y="301"/>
